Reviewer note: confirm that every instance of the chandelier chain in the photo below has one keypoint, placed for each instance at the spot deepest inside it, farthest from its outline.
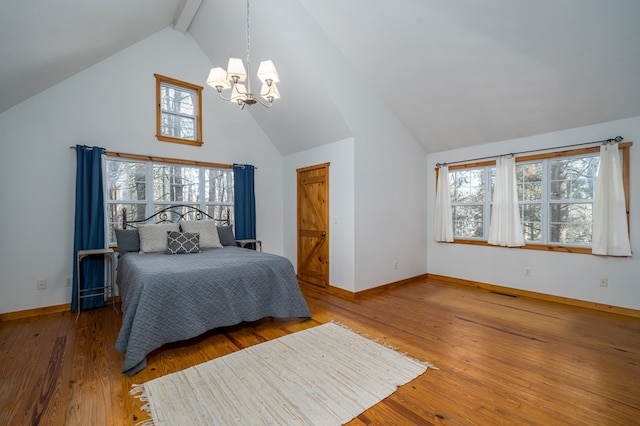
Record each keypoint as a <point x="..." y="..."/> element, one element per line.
<point x="248" y="37"/>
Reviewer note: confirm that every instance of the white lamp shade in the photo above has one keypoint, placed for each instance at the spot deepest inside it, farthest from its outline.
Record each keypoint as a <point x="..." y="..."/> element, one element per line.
<point x="218" y="78"/>
<point x="267" y="71"/>
<point x="238" y="92"/>
<point x="269" y="91"/>
<point x="236" y="69"/>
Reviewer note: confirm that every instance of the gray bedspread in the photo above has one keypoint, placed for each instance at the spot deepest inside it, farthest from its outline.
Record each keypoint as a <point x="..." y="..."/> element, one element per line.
<point x="167" y="298"/>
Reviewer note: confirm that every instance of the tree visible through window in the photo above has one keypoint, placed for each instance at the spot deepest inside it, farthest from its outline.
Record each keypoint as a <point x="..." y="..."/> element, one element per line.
<point x="468" y="202"/>
<point x="556" y="193"/>
<point x="144" y="187"/>
<point x="530" y="190"/>
<point x="179" y="111"/>
<point x="572" y="185"/>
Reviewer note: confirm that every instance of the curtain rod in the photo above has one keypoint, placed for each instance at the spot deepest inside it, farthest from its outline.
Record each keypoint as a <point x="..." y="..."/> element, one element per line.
<point x="169" y="160"/>
<point x="603" y="141"/>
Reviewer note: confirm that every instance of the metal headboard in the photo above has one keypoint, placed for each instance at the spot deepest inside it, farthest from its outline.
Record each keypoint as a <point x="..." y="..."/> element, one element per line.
<point x="172" y="214"/>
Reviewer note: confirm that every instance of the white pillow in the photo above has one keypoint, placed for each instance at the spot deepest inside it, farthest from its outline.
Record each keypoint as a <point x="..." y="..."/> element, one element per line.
<point x="206" y="228"/>
<point x="153" y="237"/>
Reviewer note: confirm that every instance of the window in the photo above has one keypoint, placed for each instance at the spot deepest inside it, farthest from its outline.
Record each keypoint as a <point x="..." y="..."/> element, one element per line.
<point x="146" y="186"/>
<point x="556" y="192"/>
<point x="468" y="202"/>
<point x="530" y="190"/>
<point x="571" y="193"/>
<point x="178" y="111"/>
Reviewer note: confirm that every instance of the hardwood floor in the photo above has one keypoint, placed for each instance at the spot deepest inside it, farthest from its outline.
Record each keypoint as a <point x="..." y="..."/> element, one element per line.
<point x="502" y="360"/>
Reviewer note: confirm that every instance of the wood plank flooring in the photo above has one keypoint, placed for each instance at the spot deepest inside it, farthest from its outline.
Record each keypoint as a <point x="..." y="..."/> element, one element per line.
<point x="502" y="360"/>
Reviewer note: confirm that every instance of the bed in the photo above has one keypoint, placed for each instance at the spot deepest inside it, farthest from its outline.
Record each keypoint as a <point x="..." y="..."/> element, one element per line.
<point x="172" y="297"/>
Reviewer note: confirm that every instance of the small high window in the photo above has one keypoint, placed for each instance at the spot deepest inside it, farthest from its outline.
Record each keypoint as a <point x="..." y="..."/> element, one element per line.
<point x="178" y="111"/>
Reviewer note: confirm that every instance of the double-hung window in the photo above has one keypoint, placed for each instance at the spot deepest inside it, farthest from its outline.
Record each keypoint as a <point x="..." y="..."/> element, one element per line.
<point x="144" y="187"/>
<point x="556" y="193"/>
<point x="468" y="202"/>
<point x="529" y="178"/>
<point x="178" y="111"/>
<point x="572" y="183"/>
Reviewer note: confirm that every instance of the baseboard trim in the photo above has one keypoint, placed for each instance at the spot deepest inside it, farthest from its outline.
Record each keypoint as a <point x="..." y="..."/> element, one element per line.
<point x="349" y="295"/>
<point x="442" y="279"/>
<point x="389" y="286"/>
<point x="335" y="291"/>
<point x="446" y="280"/>
<point x="28" y="313"/>
<point x="46" y="310"/>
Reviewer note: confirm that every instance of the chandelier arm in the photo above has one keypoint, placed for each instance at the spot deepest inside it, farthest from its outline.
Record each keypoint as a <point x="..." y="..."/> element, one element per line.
<point x="223" y="98"/>
<point x="267" y="92"/>
<point x="261" y="102"/>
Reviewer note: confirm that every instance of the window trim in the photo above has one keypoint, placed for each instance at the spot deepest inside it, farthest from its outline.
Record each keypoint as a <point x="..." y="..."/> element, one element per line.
<point x="167" y="160"/>
<point x="624" y="147"/>
<point x="160" y="79"/>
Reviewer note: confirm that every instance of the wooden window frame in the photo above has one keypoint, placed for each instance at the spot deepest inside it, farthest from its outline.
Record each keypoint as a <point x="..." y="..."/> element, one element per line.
<point x="626" y="165"/>
<point x="160" y="79"/>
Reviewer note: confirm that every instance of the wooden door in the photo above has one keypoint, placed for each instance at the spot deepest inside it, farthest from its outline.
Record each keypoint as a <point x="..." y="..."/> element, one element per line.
<point x="313" y="224"/>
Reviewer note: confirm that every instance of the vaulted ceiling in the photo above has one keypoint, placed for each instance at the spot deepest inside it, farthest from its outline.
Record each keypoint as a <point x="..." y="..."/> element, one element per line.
<point x="455" y="73"/>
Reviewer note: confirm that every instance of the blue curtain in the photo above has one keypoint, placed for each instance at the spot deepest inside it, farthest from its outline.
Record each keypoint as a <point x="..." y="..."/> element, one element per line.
<point x="245" y="201"/>
<point x="89" y="225"/>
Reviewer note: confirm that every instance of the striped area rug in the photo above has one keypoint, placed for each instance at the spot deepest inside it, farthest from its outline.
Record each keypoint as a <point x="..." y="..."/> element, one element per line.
<point x="325" y="375"/>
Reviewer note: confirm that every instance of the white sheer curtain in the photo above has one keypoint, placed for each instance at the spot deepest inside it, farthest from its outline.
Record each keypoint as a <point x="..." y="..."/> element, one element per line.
<point x="443" y="224"/>
<point x="610" y="232"/>
<point x="506" y="228"/>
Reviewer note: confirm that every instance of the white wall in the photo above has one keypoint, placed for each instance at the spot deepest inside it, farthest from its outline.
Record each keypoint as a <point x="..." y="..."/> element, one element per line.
<point x="389" y="170"/>
<point x="390" y="199"/>
<point x="367" y="240"/>
<point x="569" y="275"/>
<point x="112" y="105"/>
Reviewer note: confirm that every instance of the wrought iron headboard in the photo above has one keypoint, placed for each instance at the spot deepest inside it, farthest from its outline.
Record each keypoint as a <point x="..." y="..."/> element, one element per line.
<point x="172" y="214"/>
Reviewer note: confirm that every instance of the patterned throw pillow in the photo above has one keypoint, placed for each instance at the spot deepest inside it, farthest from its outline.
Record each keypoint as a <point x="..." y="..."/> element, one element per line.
<point x="183" y="242"/>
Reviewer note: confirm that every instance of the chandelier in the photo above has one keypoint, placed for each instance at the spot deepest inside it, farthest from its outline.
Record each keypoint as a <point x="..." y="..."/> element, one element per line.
<point x="235" y="75"/>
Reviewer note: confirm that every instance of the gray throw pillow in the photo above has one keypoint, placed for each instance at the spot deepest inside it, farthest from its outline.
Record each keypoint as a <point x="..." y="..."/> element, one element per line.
<point x="225" y="233"/>
<point x="153" y="237"/>
<point x="183" y="242"/>
<point x="206" y="229"/>
<point x="128" y="240"/>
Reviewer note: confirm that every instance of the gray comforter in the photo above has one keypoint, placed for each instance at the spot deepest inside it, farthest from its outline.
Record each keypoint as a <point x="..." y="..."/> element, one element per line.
<point x="167" y="298"/>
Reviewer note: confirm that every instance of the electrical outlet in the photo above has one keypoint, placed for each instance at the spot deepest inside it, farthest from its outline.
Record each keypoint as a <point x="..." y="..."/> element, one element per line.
<point x="42" y="284"/>
<point x="527" y="272"/>
<point x="67" y="282"/>
<point x="604" y="282"/>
